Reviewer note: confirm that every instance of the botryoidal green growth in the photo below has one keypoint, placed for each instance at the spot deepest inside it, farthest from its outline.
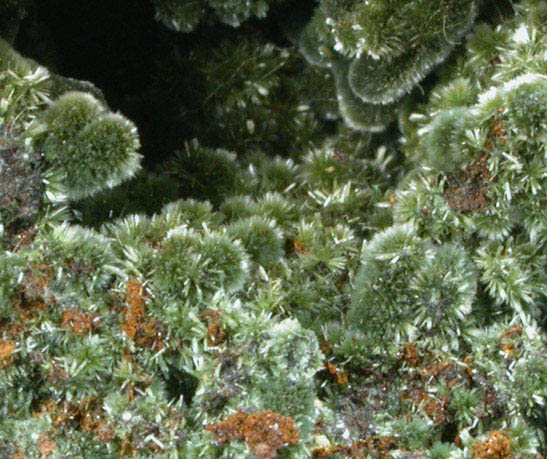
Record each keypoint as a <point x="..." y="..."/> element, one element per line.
<point x="184" y="15"/>
<point x="371" y="296"/>
<point x="380" y="50"/>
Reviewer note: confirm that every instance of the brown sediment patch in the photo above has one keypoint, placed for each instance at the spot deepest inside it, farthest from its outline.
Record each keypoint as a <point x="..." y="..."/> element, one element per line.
<point x="379" y="446"/>
<point x="79" y="322"/>
<point x="436" y="408"/>
<point x="496" y="446"/>
<point x="87" y="414"/>
<point x="265" y="433"/>
<point x="147" y="333"/>
<point x="46" y="445"/>
<point x="340" y="375"/>
<point x="410" y="355"/>
<point x="7" y="348"/>
<point x="467" y="191"/>
<point x="509" y="341"/>
<point x="296" y="246"/>
<point x="215" y="330"/>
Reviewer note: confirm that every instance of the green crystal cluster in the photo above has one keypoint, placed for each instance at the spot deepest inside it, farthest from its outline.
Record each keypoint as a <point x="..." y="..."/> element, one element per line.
<point x="275" y="288"/>
<point x="378" y="51"/>
<point x="185" y="15"/>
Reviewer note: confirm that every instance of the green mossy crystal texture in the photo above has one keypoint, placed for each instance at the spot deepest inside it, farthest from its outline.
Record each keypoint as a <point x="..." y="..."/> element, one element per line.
<point x="185" y="15"/>
<point x="337" y="262"/>
<point x="380" y="50"/>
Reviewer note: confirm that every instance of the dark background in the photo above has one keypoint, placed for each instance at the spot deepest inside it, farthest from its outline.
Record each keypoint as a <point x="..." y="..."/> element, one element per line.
<point x="120" y="47"/>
